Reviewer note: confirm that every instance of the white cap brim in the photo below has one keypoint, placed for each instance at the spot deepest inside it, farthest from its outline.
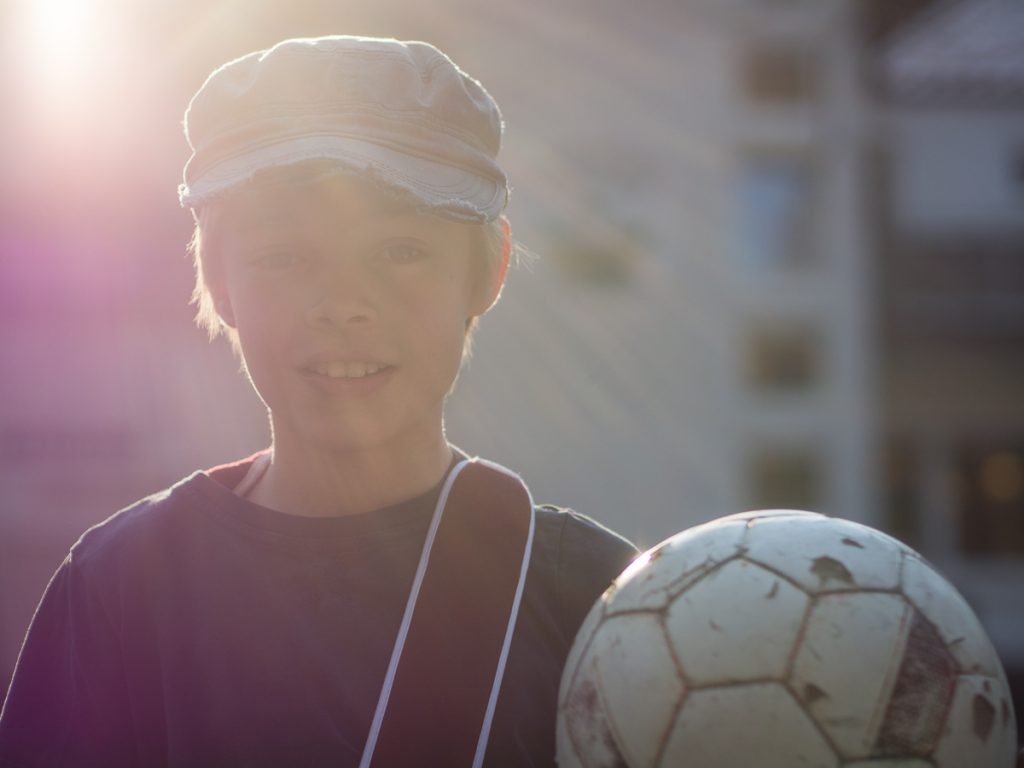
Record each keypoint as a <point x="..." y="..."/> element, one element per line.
<point x="446" y="190"/>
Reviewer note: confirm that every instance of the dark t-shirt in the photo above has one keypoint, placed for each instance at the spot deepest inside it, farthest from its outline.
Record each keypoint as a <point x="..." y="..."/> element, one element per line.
<point x="198" y="629"/>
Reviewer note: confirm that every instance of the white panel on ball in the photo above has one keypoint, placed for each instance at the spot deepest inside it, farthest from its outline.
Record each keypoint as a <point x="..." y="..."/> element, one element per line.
<point x="895" y="763"/>
<point x="844" y="677"/>
<point x="760" y="514"/>
<point x="943" y="606"/>
<point x="745" y="726"/>
<point x="642" y="587"/>
<point x="584" y="729"/>
<point x="833" y="554"/>
<point x="591" y="623"/>
<point x="747" y="637"/>
<point x="637" y="683"/>
<point x="568" y="757"/>
<point x="979" y="730"/>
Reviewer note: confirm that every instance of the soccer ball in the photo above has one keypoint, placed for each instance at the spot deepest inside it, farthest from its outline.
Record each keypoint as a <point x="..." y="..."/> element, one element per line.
<point x="776" y="639"/>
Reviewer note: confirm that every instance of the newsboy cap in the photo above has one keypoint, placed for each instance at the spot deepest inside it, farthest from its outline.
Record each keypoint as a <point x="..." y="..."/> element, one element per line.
<point x="401" y="113"/>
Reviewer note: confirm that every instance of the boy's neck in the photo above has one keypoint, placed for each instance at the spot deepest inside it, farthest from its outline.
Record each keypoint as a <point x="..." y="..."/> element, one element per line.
<point x="311" y="483"/>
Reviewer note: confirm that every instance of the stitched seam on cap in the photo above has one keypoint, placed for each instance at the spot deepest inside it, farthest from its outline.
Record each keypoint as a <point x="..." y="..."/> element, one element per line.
<point x="421" y="117"/>
<point x="206" y="167"/>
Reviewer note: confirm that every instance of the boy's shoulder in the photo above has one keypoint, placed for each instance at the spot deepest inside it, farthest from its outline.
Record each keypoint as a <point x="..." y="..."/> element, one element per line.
<point x="575" y="528"/>
<point x="581" y="545"/>
<point x="581" y="557"/>
<point x="174" y="523"/>
<point x="162" y="519"/>
<point x="136" y="527"/>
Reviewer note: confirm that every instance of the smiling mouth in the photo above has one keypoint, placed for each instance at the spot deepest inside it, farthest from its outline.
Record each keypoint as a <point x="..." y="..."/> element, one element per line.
<point x="339" y="370"/>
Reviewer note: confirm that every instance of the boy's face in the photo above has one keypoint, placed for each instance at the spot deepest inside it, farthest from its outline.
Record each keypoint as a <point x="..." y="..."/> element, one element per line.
<point x="350" y="310"/>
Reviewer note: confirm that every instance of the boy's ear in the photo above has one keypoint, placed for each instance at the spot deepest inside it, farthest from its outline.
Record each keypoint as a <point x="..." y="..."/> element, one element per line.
<point x="496" y="277"/>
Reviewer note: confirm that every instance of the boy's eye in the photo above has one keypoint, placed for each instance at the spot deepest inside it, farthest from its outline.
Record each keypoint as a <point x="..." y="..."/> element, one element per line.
<point x="278" y="259"/>
<point x="401" y="253"/>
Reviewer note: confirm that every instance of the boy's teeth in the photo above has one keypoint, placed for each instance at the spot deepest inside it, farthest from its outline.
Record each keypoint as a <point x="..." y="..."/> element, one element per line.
<point x="347" y="370"/>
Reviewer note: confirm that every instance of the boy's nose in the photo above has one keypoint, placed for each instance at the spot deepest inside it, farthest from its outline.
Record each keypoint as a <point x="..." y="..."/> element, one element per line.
<point x="328" y="312"/>
<point x="342" y="301"/>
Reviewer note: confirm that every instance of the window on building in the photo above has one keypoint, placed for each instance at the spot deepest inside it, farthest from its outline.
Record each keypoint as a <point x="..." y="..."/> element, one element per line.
<point x="902" y="477"/>
<point x="786" y="477"/>
<point x="775" y="208"/>
<point x="1017" y="167"/>
<point x="783" y="358"/>
<point x="955" y="289"/>
<point x="592" y="261"/>
<point x="990" y="498"/>
<point x="782" y="75"/>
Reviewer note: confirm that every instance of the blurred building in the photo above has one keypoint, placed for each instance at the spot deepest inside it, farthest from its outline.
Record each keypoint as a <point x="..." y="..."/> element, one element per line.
<point x="950" y="256"/>
<point x="698" y="329"/>
<point x="793" y="278"/>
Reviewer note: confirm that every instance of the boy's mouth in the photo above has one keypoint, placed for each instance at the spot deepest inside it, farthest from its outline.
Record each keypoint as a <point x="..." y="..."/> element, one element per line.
<point x="340" y="370"/>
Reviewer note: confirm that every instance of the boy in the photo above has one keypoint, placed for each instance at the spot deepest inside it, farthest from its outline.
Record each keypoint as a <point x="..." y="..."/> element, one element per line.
<point x="359" y="593"/>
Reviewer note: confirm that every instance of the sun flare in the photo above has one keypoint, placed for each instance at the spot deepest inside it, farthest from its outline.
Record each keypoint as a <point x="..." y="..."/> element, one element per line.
<point x="66" y="48"/>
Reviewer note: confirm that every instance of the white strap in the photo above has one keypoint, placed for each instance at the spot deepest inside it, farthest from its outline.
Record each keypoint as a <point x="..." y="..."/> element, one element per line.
<point x="485" y="730"/>
<point x="253" y="475"/>
<point x="410" y="606"/>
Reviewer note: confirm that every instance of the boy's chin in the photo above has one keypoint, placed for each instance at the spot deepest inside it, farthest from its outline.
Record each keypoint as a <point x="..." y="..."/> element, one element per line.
<point x="339" y="439"/>
<point x="350" y="433"/>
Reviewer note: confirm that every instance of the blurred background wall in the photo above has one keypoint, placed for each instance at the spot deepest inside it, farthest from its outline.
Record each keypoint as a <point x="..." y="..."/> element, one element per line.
<point x="780" y="262"/>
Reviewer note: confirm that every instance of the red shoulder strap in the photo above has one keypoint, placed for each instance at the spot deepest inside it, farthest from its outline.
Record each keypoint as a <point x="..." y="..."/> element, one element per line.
<point x="438" y="698"/>
<point x="230" y="475"/>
